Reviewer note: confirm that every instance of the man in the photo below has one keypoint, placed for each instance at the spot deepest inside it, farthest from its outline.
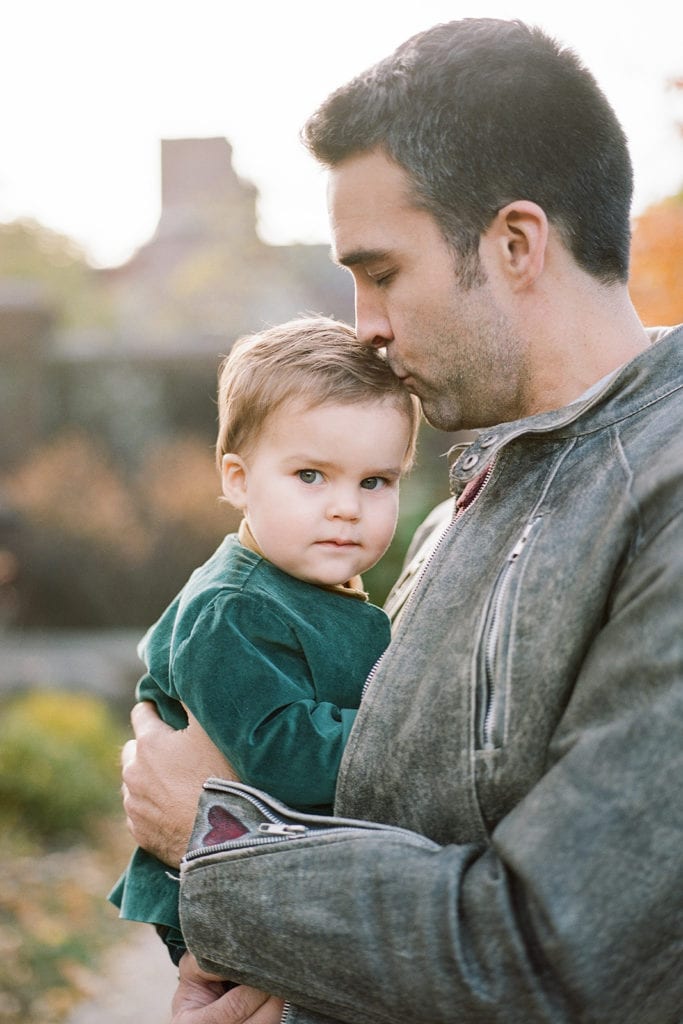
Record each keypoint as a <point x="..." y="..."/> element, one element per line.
<point x="525" y="717"/>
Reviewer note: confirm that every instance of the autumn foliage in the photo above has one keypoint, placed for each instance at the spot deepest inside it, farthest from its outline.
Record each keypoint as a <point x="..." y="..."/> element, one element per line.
<point x="657" y="263"/>
<point x="105" y="545"/>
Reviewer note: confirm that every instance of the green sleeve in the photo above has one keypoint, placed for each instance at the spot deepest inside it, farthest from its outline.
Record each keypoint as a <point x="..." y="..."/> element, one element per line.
<point x="243" y="673"/>
<point x="169" y="709"/>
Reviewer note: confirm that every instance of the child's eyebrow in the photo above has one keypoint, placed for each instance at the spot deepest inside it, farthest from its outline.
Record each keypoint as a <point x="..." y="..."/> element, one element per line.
<point x="304" y="458"/>
<point x="307" y="460"/>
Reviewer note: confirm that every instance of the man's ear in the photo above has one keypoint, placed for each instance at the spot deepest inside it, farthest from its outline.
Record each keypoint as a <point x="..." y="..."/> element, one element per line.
<point x="519" y="236"/>
<point x="234" y="480"/>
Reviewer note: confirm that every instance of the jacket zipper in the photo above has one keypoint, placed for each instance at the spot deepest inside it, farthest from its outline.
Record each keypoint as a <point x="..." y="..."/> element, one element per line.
<point x="490" y="733"/>
<point x="371" y="675"/>
<point x="457" y="515"/>
<point x="277" y="830"/>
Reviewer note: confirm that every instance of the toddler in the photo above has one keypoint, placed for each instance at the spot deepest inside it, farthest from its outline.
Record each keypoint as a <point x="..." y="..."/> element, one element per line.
<point x="270" y="641"/>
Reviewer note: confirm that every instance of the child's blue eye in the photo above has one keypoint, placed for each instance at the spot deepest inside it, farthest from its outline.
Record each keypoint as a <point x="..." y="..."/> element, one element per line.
<point x="373" y="483"/>
<point x="310" y="476"/>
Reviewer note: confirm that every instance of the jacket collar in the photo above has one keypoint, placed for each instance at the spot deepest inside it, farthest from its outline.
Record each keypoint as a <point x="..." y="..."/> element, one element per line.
<point x="650" y="376"/>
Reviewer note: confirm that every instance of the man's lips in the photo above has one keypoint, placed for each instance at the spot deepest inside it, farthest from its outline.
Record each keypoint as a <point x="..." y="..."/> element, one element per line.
<point x="398" y="371"/>
<point x="406" y="380"/>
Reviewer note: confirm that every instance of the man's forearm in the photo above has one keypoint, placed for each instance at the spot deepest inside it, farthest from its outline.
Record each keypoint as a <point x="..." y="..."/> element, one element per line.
<point x="163" y="773"/>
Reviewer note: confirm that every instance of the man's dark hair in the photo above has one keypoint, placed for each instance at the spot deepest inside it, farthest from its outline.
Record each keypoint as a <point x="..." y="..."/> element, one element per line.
<point x="482" y="112"/>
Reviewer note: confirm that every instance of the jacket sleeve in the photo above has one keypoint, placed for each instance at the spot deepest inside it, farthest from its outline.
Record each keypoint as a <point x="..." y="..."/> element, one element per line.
<point x="572" y="912"/>
<point x="243" y="674"/>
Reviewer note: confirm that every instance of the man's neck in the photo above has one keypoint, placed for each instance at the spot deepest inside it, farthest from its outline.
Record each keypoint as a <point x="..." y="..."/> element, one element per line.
<point x="586" y="333"/>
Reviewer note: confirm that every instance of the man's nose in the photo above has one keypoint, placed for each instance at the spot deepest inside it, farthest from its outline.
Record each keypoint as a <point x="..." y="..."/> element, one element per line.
<point x="372" y="323"/>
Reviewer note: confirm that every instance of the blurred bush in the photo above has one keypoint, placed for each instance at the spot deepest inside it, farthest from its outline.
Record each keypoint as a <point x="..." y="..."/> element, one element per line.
<point x="55" y="924"/>
<point x="62" y="843"/>
<point x="102" y="544"/>
<point x="59" y="770"/>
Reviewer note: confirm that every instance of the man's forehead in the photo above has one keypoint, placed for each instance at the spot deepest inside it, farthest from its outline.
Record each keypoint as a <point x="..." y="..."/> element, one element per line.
<point x="367" y="196"/>
<point x="371" y="174"/>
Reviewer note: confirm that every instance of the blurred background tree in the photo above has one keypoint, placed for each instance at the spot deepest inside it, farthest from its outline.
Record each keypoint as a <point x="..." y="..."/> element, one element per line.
<point x="31" y="252"/>
<point x="657" y="263"/>
<point x="657" y="256"/>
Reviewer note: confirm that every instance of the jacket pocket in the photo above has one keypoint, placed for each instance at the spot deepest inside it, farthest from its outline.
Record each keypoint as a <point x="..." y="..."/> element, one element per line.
<point x="497" y="644"/>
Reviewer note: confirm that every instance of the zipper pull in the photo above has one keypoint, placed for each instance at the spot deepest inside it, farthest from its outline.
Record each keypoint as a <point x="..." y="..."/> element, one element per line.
<point x="282" y="830"/>
<point x="517" y="550"/>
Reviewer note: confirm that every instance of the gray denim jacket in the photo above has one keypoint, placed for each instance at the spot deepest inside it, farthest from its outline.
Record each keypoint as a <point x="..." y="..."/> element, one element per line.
<point x="527" y="719"/>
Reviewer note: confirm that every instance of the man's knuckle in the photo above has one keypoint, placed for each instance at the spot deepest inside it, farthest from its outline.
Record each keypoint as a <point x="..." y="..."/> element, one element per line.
<point x="238" y="1003"/>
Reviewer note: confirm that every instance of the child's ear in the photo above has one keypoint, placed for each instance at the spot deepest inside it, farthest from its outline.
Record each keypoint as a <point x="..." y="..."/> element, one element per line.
<point x="234" y="480"/>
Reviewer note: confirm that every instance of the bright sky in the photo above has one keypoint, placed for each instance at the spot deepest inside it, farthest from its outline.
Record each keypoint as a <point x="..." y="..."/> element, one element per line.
<point x="89" y="88"/>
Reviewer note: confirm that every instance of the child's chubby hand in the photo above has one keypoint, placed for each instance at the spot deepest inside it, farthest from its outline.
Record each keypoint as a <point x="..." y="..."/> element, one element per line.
<point x="163" y="771"/>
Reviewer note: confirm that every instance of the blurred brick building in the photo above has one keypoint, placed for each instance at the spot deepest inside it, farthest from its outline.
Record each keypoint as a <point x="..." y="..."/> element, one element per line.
<point x="204" y="278"/>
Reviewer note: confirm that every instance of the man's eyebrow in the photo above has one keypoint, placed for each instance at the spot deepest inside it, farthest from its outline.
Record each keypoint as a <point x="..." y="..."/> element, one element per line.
<point x="360" y="257"/>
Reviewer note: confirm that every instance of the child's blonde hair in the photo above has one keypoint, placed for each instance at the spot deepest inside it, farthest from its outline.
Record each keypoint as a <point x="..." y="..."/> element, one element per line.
<point x="314" y="360"/>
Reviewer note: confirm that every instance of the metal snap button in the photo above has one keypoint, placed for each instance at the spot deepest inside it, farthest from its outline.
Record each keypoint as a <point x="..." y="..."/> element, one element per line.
<point x="470" y="462"/>
<point x="487" y="441"/>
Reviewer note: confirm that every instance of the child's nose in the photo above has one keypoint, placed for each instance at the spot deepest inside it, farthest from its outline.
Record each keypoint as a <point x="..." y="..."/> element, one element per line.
<point x="344" y="503"/>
